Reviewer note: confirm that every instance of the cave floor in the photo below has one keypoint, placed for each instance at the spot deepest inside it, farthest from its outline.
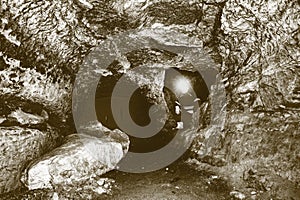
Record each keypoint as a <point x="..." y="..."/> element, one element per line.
<point x="178" y="181"/>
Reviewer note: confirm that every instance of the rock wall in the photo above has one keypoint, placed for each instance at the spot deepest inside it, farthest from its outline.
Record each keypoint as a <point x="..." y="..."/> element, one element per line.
<point x="260" y="51"/>
<point x="42" y="46"/>
<point x="255" y="46"/>
<point x="259" y="148"/>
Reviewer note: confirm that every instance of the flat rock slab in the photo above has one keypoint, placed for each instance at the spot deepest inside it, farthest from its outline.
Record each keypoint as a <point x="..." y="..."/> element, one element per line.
<point x="77" y="164"/>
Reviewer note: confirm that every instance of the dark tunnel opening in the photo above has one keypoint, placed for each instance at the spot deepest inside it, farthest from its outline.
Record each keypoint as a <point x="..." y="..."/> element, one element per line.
<point x="140" y="104"/>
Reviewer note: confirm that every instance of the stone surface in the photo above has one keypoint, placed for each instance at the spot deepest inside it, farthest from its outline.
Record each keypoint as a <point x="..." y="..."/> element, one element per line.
<point x="254" y="44"/>
<point x="261" y="52"/>
<point x="67" y="35"/>
<point x="26" y="83"/>
<point x="77" y="164"/>
<point x="259" y="147"/>
<point x="26" y="134"/>
<point x="259" y="153"/>
<point x="18" y="147"/>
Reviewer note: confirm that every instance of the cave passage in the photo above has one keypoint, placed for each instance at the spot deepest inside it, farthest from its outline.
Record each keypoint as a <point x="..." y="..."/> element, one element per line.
<point x="140" y="104"/>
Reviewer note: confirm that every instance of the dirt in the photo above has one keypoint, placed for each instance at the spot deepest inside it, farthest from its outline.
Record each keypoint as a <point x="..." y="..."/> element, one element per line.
<point x="178" y="181"/>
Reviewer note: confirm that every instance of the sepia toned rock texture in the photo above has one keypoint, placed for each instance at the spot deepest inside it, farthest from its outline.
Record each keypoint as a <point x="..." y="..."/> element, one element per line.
<point x="260" y="53"/>
<point x="19" y="146"/>
<point x="254" y="46"/>
<point x="77" y="165"/>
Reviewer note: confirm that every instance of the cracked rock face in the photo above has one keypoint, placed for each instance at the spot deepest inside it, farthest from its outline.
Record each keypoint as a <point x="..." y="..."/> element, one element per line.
<point x="261" y="52"/>
<point x="259" y="46"/>
<point x="30" y="84"/>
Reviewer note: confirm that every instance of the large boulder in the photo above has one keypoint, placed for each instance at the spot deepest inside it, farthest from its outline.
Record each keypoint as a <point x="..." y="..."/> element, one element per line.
<point x="19" y="146"/>
<point x="78" y="164"/>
